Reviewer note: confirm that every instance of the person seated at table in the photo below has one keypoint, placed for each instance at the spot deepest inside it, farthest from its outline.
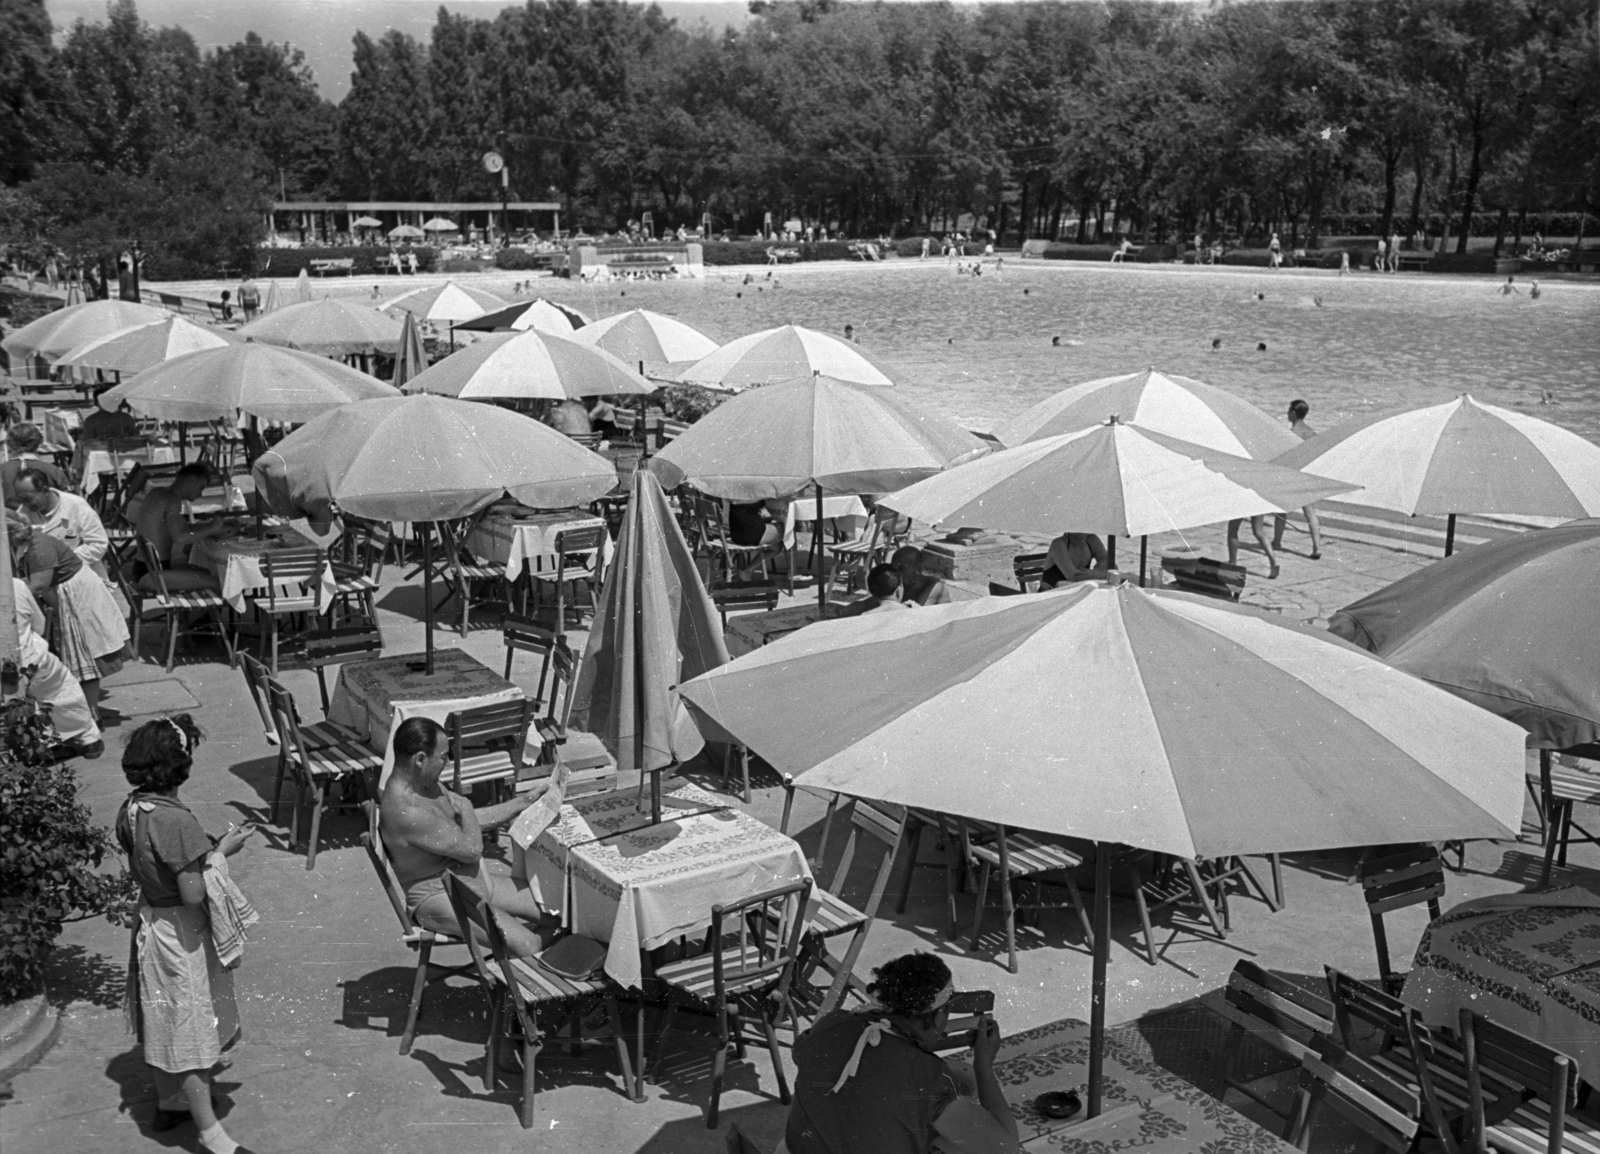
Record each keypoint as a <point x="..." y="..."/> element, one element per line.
<point x="915" y="585"/>
<point x="883" y="585"/>
<point x="569" y="418"/>
<point x="869" y="1079"/>
<point x="430" y="831"/>
<point x="160" y="520"/>
<point x="753" y="523"/>
<point x="23" y="442"/>
<point x="603" y="417"/>
<point x="1074" y="557"/>
<point x="103" y="425"/>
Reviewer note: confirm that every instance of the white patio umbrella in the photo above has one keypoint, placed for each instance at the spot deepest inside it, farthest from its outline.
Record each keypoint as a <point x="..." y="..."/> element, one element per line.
<point x="137" y="349"/>
<point x="1157" y="721"/>
<point x="56" y="334"/>
<point x="1459" y="457"/>
<point x="528" y="365"/>
<point x="406" y="232"/>
<point x="643" y="336"/>
<point x="783" y="354"/>
<point x="366" y="222"/>
<point x="449" y="302"/>
<point x="328" y="327"/>
<point x="439" y="224"/>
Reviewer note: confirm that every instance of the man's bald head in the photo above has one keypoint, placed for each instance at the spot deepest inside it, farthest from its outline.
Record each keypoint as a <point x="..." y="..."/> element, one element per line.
<point x="907" y="558"/>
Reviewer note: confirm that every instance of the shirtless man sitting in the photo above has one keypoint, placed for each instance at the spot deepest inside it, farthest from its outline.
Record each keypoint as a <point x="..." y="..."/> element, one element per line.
<point x="161" y="521"/>
<point x="915" y="585"/>
<point x="429" y="830"/>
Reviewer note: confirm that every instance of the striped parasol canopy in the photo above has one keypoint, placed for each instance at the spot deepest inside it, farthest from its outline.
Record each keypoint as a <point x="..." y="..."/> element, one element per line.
<point x="783" y="354"/>
<point x="449" y="303"/>
<point x="528" y="365"/>
<point x="546" y="316"/>
<point x="137" y="349"/>
<point x="1177" y="406"/>
<point x="641" y="335"/>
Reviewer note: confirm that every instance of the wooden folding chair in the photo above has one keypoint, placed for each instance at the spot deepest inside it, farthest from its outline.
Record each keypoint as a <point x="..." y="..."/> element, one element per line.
<point x="590" y="766"/>
<point x="1018" y="858"/>
<point x="293" y="578"/>
<point x="337" y="646"/>
<point x="1028" y="568"/>
<point x="317" y="734"/>
<point x="749" y="965"/>
<point x="1532" y="1114"/>
<point x="414" y="936"/>
<point x="1398" y="877"/>
<point x="1281" y="1015"/>
<point x="1568" y="783"/>
<point x="174" y="604"/>
<point x="315" y="770"/>
<point x="744" y="596"/>
<point x="579" y="557"/>
<point x="518" y="989"/>
<point x="487" y="743"/>
<point x="528" y="636"/>
<point x="356" y="579"/>
<point x="1375" y="1103"/>
<point x="460" y="569"/>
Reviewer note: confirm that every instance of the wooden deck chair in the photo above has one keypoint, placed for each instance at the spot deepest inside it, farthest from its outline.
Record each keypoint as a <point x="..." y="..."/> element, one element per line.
<point x="416" y="938"/>
<point x="357" y="577"/>
<point x="579" y="558"/>
<point x="344" y="643"/>
<point x="317" y="734"/>
<point x="526" y="635"/>
<point x="460" y="570"/>
<point x="488" y="743"/>
<point x="316" y="771"/>
<point x="174" y="604"/>
<point x="1376" y="1104"/>
<point x="518" y="989"/>
<point x="1393" y="879"/>
<point x="1018" y="858"/>
<point x="1028" y="569"/>
<point x="293" y="578"/>
<point x="1534" y="1116"/>
<point x="1281" y="1015"/>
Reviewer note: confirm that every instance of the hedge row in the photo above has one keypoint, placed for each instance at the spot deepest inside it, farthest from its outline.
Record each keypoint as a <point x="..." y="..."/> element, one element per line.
<point x="369" y="259"/>
<point x="755" y="251"/>
<point x="1485" y="222"/>
<point x="521" y="260"/>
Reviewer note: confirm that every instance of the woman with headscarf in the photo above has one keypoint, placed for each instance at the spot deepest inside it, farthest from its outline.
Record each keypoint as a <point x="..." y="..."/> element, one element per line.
<point x="180" y="993"/>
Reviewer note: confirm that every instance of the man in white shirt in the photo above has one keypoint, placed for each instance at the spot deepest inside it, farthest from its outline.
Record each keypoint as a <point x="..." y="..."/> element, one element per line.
<point x="65" y="516"/>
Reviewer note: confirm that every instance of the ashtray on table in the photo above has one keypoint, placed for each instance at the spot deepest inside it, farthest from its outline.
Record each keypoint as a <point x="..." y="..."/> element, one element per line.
<point x="1058" y="1103"/>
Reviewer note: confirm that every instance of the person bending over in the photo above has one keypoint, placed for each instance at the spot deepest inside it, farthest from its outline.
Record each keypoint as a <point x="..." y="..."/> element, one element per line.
<point x="1075" y="557"/>
<point x="883" y="582"/>
<point x="915" y="585"/>
<point x="869" y="1079"/>
<point x="429" y="830"/>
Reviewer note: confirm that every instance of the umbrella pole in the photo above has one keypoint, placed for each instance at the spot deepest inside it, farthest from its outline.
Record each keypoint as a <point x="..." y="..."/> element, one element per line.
<point x="1450" y="535"/>
<point x="1102" y="949"/>
<point x="644" y="426"/>
<point x="822" y="570"/>
<point x="1144" y="547"/>
<point x="1111" y="550"/>
<point x="427" y="594"/>
<point x="183" y="442"/>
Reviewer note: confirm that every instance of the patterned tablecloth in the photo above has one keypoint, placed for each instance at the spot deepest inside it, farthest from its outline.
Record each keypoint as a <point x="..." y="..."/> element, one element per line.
<point x="517" y="540"/>
<point x="373" y="697"/>
<point x="237" y="563"/>
<point x="747" y="632"/>
<point x="640" y="890"/>
<point x="1145" y="1107"/>
<point x="94" y="461"/>
<point x="1515" y="959"/>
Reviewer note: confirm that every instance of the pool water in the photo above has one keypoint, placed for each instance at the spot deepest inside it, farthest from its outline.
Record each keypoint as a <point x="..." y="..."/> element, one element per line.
<point x="980" y="350"/>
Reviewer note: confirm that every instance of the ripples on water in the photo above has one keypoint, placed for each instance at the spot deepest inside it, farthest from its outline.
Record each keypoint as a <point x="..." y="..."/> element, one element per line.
<point x="979" y="348"/>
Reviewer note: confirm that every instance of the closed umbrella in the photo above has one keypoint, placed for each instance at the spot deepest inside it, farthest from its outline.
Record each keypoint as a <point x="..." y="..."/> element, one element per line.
<point x="302" y="288"/>
<point x="1116" y="479"/>
<point x="449" y="302"/>
<point x="426" y="459"/>
<point x="271" y="303"/>
<point x="546" y="316"/>
<point x="1079" y="713"/>
<point x="814" y="434"/>
<point x="56" y="334"/>
<point x="411" y="359"/>
<point x="270" y="383"/>
<point x="1510" y="626"/>
<point x="1459" y="457"/>
<point x="145" y="347"/>
<point x="1177" y="406"/>
<point x="782" y="354"/>
<point x="656" y="627"/>
<point x="532" y="364"/>
<point x="406" y="232"/>
<point x="641" y="335"/>
<point x="329" y="328"/>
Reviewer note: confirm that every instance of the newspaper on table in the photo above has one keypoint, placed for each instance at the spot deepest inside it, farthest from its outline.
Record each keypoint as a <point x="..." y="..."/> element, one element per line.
<point x="538" y="817"/>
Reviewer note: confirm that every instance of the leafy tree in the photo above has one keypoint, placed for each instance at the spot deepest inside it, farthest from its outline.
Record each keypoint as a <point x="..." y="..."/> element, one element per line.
<point x="26" y="80"/>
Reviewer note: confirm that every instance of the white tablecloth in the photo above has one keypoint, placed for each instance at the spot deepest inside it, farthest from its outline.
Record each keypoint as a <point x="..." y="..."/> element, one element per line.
<point x="373" y="697"/>
<point x="641" y="890"/>
<point x="97" y="461"/>
<point x="237" y="563"/>
<point x="527" y="539"/>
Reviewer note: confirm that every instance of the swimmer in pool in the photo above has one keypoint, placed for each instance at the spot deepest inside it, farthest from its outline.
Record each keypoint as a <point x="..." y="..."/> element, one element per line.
<point x="1508" y="288"/>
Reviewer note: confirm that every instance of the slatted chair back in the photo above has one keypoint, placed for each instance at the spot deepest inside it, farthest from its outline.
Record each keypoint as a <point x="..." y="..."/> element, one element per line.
<point x="580" y="550"/>
<point x="1566" y="782"/>
<point x="1526" y="1065"/>
<point x="563" y="672"/>
<point x="1029" y="568"/>
<point x="745" y="595"/>
<point x="372" y="840"/>
<point x="291" y="577"/>
<point x="337" y="646"/>
<point x="528" y="636"/>
<point x="1372" y="1101"/>
<point x="286" y="716"/>
<point x="1398" y="877"/>
<point x="1282" y="1015"/>
<point x="869" y="820"/>
<point x="487" y="943"/>
<point x="502" y="726"/>
<point x="757" y="941"/>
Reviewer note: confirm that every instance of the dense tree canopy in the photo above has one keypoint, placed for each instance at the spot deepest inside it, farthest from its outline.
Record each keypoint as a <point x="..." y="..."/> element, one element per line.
<point x="1041" y="119"/>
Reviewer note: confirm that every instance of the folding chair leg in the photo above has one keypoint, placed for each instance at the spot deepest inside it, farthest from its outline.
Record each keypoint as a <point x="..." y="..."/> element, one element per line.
<point x="1083" y="914"/>
<point x="319" y="799"/>
<point x="1144" y="915"/>
<point x="777" y="1060"/>
<point x="322" y="685"/>
<point x="1273" y="903"/>
<point x="624" y="1063"/>
<point x="172" y="638"/>
<point x="1381" y="941"/>
<point x="1199" y="885"/>
<point x="638" y="1050"/>
<point x="661" y="1038"/>
<point x="846" y="967"/>
<point x="277" y="785"/>
<point x="1555" y="825"/>
<point x="977" y="911"/>
<point x="418" y="985"/>
<point x="491" y="1048"/>
<point x="530" y="1085"/>
<point x="719" y="1066"/>
<point x="911" y="867"/>
<point x="1277" y="880"/>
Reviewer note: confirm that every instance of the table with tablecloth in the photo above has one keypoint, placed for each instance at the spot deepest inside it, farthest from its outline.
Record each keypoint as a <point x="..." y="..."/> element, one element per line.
<point x="1144" y="1106"/>
<point x="521" y="538"/>
<point x="93" y="460"/>
<point x="237" y="562"/>
<point x="1530" y="962"/>
<point x="748" y="632"/>
<point x="373" y="697"/>
<point x="641" y="890"/>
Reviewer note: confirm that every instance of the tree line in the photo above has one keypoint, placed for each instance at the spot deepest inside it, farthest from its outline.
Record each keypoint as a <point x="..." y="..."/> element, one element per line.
<point x="1038" y="120"/>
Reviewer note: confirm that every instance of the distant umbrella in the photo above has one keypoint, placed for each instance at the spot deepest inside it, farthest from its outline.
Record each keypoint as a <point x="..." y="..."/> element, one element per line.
<point x="783" y="354"/>
<point x="330" y="328"/>
<point x="271" y="303"/>
<point x="366" y="222"/>
<point x="529" y="365"/>
<point x="145" y="347"/>
<point x="439" y="224"/>
<point x="411" y="359"/>
<point x="270" y="383"/>
<point x="449" y="303"/>
<point x="641" y="335"/>
<point x="56" y="334"/>
<point x="546" y="316"/>
<point x="302" y="288"/>
<point x="406" y="232"/>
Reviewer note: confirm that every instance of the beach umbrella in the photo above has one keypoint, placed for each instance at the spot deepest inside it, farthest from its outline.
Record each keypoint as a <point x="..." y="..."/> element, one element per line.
<point x="1500" y="625"/>
<point x="532" y="364"/>
<point x="406" y="232"/>
<point x="426" y="459"/>
<point x="56" y="334"/>
<point x="329" y="328"/>
<point x="1459" y="457"/>
<point x="366" y="222"/>
<point x="547" y="316"/>
<point x="1116" y="479"/>
<point x="656" y="627"/>
<point x="137" y="349"/>
<point x="813" y="435"/>
<point x="439" y="224"/>
<point x="411" y="359"/>
<point x="643" y="336"/>
<point x="1177" y="406"/>
<point x="302" y="288"/>
<point x="783" y="354"/>
<point x="271" y="303"/>
<point x="1156" y="721"/>
<point x="447" y="302"/>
